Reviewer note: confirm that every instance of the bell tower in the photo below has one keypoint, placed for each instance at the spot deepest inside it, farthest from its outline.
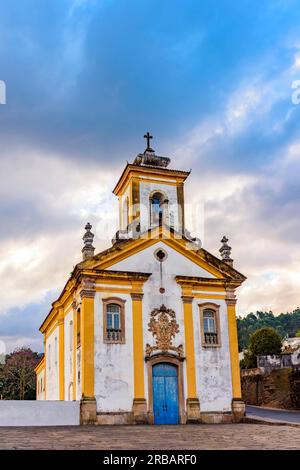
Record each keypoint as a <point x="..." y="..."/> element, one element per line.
<point x="150" y="194"/>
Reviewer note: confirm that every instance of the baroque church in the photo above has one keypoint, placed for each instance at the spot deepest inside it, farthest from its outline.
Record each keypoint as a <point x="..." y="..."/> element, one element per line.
<point x="145" y="331"/>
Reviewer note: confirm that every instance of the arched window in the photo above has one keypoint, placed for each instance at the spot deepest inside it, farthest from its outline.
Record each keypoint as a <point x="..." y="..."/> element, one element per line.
<point x="158" y="204"/>
<point x="114" y="320"/>
<point x="209" y="314"/>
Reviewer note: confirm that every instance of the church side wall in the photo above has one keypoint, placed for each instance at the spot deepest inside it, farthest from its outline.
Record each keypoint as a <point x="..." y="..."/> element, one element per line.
<point x="113" y="362"/>
<point x="52" y="375"/>
<point x="213" y="369"/>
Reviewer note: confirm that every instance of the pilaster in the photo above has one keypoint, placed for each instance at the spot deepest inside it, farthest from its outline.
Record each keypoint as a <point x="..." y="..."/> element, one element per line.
<point x="238" y="406"/>
<point x="192" y="402"/>
<point x="88" y="402"/>
<point x="61" y="354"/>
<point x="139" y="407"/>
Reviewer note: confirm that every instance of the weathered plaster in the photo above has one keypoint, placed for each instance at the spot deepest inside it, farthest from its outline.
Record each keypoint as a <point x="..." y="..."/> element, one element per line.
<point x="213" y="372"/>
<point x="113" y="362"/>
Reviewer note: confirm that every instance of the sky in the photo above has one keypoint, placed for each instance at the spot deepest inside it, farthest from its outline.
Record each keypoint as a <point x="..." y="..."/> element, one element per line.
<point x="85" y="79"/>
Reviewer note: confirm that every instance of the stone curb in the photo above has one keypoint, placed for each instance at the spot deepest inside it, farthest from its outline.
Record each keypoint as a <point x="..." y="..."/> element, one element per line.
<point x="271" y="422"/>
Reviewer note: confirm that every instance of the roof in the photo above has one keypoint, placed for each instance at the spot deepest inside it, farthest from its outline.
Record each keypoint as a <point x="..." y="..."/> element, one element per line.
<point x="155" y="170"/>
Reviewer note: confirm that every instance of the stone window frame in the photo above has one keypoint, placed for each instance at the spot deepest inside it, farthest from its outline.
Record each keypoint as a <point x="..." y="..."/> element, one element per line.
<point x="216" y="309"/>
<point x="121" y="303"/>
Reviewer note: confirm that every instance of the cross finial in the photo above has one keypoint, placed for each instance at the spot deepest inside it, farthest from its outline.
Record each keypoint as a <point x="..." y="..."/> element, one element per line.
<point x="148" y="137"/>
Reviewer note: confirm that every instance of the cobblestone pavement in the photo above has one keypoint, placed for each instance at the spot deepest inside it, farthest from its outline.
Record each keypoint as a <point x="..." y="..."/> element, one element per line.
<point x="221" y="436"/>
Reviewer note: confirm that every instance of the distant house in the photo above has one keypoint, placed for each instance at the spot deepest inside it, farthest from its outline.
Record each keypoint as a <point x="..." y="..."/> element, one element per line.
<point x="289" y="357"/>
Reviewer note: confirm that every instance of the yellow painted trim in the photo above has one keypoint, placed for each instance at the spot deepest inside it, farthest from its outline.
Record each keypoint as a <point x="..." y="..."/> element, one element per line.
<point x="74" y="353"/>
<point x="114" y="289"/>
<point x="234" y="352"/>
<point x="210" y="288"/>
<point x="155" y="181"/>
<point x="40" y="366"/>
<point x="189" y="349"/>
<point x="45" y="373"/>
<point x="51" y="330"/>
<point x="210" y="296"/>
<point x="138" y="348"/>
<point x="133" y="171"/>
<point x="87" y="346"/>
<point x="61" y="356"/>
<point x="118" y="282"/>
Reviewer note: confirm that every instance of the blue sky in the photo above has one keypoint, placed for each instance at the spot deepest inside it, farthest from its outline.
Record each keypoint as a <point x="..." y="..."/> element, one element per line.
<point x="212" y="80"/>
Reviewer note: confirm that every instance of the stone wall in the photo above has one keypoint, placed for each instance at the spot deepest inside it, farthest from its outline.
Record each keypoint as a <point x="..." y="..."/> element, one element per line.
<point x="39" y="413"/>
<point x="279" y="388"/>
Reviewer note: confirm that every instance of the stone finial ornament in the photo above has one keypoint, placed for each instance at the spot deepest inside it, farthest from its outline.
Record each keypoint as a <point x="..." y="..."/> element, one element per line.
<point x="225" y="251"/>
<point x="88" y="249"/>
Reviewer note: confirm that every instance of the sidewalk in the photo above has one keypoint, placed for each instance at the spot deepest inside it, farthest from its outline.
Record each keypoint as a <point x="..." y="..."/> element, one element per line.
<point x="263" y="415"/>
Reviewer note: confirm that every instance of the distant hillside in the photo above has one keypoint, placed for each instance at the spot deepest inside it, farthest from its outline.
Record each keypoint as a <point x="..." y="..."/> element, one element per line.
<point x="285" y="324"/>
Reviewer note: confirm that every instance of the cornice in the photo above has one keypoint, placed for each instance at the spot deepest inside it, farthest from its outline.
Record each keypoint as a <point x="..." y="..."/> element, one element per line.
<point x="134" y="171"/>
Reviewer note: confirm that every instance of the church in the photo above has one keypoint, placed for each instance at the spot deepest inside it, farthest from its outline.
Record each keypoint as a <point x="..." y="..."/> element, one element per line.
<point x="145" y="331"/>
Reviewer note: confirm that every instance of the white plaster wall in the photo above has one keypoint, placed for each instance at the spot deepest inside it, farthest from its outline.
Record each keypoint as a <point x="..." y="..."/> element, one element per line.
<point x="68" y="353"/>
<point x="39" y="413"/>
<point x="52" y="385"/>
<point x="213" y="369"/>
<point x="175" y="265"/>
<point x="146" y="188"/>
<point x="113" y="362"/>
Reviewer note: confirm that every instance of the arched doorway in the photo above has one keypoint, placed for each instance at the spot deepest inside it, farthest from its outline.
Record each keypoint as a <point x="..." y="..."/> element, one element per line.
<point x="177" y="362"/>
<point x="165" y="393"/>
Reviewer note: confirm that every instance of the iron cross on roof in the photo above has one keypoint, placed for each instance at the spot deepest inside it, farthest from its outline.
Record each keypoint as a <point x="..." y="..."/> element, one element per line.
<point x="148" y="137"/>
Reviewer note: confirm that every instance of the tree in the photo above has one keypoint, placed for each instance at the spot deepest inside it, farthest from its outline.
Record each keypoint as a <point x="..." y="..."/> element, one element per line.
<point x="265" y="341"/>
<point x="298" y="334"/>
<point x="286" y="324"/>
<point x="249" y="361"/>
<point x="17" y="376"/>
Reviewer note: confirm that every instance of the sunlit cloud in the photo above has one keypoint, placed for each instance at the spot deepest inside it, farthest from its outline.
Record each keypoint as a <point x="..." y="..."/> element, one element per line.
<point x="212" y="88"/>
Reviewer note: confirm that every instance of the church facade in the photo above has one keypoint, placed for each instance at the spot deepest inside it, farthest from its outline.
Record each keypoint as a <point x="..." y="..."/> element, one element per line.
<point x="145" y="331"/>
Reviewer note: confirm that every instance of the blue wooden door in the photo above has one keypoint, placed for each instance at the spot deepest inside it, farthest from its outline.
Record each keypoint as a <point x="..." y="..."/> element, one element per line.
<point x="165" y="393"/>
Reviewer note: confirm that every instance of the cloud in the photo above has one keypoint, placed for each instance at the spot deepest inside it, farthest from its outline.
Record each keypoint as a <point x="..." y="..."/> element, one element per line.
<point x="215" y="90"/>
